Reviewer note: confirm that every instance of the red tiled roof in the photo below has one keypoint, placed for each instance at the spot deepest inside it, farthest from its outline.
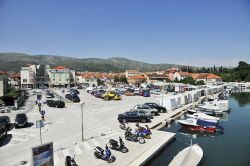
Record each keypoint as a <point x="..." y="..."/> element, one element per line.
<point x="60" y="67"/>
<point x="207" y="76"/>
<point x="137" y="77"/>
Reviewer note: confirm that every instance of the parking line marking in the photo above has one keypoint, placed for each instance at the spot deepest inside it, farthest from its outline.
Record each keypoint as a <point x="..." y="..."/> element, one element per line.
<point x="100" y="128"/>
<point x="77" y="149"/>
<point x="86" y="145"/>
<point x="96" y="126"/>
<point x="94" y="141"/>
<point x="108" y="130"/>
<point x="110" y="135"/>
<point x="66" y="152"/>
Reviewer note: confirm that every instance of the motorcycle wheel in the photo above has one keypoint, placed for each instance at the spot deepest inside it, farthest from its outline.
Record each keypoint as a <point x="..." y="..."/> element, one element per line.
<point x="111" y="159"/>
<point x="124" y="150"/>
<point x="141" y="140"/>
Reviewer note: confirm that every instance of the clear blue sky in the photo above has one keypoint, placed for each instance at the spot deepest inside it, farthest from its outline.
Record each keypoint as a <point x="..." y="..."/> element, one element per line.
<point x="192" y="32"/>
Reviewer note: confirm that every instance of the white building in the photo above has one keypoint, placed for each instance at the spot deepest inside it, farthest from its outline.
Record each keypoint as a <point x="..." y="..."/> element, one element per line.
<point x="28" y="77"/>
<point x="131" y="73"/>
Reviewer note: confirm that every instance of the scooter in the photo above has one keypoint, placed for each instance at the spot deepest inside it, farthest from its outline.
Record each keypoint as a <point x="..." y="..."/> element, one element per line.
<point x="124" y="126"/>
<point x="99" y="154"/>
<point x="133" y="136"/>
<point x="70" y="161"/>
<point x="115" y="146"/>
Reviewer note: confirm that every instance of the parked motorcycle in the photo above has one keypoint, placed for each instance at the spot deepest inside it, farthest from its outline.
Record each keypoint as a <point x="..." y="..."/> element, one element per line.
<point x="145" y="133"/>
<point x="124" y="125"/>
<point x="99" y="154"/>
<point x="119" y="147"/>
<point x="133" y="136"/>
<point x="70" y="161"/>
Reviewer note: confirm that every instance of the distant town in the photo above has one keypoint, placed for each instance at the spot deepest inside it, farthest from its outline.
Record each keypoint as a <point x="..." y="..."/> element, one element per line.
<point x="37" y="76"/>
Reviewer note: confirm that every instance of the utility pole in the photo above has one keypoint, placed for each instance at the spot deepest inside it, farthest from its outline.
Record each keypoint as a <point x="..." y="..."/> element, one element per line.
<point x="82" y="120"/>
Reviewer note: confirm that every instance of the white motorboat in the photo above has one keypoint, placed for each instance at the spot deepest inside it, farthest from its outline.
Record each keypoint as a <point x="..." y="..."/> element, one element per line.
<point x="190" y="156"/>
<point x="201" y="115"/>
<point x="212" y="108"/>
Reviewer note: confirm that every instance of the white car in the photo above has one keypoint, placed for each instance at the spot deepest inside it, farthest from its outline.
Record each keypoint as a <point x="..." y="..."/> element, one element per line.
<point x="90" y="89"/>
<point x="152" y="111"/>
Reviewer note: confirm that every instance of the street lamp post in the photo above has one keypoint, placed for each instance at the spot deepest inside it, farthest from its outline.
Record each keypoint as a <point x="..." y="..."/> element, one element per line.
<point x="82" y="120"/>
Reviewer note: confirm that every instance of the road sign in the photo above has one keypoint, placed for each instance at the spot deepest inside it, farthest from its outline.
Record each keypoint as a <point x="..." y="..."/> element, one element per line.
<point x="39" y="123"/>
<point x="42" y="155"/>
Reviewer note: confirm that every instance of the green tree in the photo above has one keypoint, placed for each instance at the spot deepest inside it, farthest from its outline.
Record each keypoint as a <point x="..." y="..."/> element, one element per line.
<point x="247" y="79"/>
<point x="201" y="82"/>
<point x="99" y="82"/>
<point x="124" y="79"/>
<point x="188" y="80"/>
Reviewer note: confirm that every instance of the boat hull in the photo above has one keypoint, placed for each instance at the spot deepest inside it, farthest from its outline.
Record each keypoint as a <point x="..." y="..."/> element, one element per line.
<point x="200" y="128"/>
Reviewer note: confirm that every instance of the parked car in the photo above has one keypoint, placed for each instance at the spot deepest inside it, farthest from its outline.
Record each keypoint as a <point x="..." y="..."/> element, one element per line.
<point x="5" y="122"/>
<point x="21" y="120"/>
<point x="156" y="106"/>
<point x="74" y="91"/>
<point x="33" y="93"/>
<point x="73" y="97"/>
<point x="133" y="117"/>
<point x="152" y="111"/>
<point x="55" y="103"/>
<point x="3" y="132"/>
<point x="5" y="110"/>
<point x="129" y="93"/>
<point x="50" y="95"/>
<point x="90" y="89"/>
<point x="99" y="93"/>
<point x="141" y="111"/>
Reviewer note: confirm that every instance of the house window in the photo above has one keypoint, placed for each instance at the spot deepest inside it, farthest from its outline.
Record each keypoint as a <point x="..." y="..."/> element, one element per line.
<point x="24" y="80"/>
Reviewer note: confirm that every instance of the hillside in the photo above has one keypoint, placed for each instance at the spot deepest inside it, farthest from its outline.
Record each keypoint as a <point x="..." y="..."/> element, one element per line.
<point x="14" y="62"/>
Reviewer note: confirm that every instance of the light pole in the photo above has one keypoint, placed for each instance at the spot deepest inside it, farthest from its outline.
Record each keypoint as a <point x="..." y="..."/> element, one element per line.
<point x="82" y="120"/>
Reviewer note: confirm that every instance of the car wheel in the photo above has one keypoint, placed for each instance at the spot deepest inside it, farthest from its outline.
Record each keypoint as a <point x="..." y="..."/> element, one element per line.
<point x="153" y="114"/>
<point x="143" y="121"/>
<point x="124" y="120"/>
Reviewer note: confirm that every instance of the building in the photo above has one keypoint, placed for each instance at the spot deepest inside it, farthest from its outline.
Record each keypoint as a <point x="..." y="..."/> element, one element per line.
<point x="181" y="75"/>
<point x="28" y="76"/>
<point x="137" y="80"/>
<point x="61" y="76"/>
<point x="91" y="78"/>
<point x="154" y="77"/>
<point x="208" y="78"/>
<point x="131" y="73"/>
<point x="34" y="76"/>
<point x="3" y="85"/>
<point x="14" y="80"/>
<point x="42" y="77"/>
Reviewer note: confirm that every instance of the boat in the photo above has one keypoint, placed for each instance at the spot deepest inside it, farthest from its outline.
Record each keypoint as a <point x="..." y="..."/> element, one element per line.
<point x="190" y="156"/>
<point x="201" y="115"/>
<point x="201" y="125"/>
<point x="192" y="110"/>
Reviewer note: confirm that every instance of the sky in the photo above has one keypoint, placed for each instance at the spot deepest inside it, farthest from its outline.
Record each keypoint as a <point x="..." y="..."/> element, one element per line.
<point x="187" y="32"/>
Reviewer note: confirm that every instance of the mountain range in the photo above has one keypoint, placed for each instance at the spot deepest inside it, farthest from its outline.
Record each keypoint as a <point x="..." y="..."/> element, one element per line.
<point x="14" y="62"/>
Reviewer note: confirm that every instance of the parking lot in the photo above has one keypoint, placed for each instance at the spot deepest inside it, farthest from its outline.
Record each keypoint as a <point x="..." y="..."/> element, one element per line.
<point x="63" y="127"/>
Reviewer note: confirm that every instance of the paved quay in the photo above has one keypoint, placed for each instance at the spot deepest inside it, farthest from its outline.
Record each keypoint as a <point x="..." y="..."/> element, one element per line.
<point x="63" y="127"/>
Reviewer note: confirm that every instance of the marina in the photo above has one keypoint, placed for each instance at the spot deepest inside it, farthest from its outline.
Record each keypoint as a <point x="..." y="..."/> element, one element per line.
<point x="220" y="148"/>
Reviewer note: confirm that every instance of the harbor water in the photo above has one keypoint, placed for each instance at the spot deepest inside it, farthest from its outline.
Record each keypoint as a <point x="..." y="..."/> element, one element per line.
<point x="228" y="148"/>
